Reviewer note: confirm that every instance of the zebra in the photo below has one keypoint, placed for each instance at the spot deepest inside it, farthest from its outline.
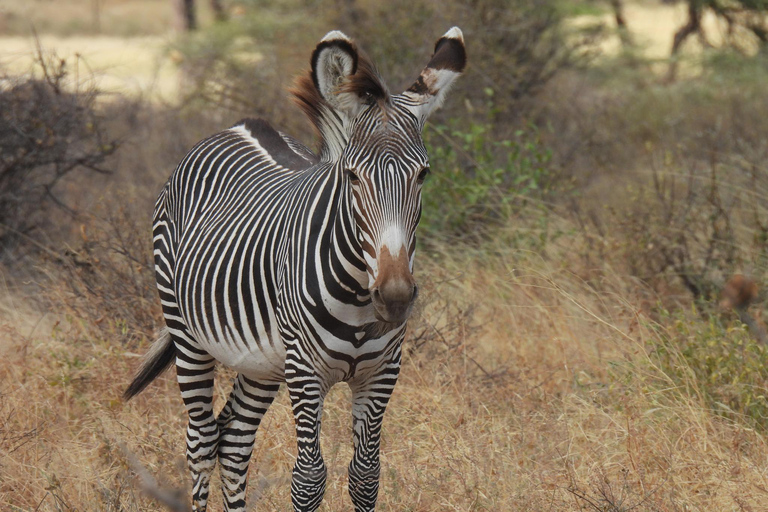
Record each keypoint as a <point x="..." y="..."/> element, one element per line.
<point x="296" y="267"/>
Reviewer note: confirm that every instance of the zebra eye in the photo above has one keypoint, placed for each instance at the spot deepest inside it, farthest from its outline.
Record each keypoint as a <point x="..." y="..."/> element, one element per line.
<point x="423" y="175"/>
<point x="354" y="178"/>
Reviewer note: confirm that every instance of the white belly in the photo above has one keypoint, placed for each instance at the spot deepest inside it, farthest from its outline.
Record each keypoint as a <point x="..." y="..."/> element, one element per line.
<point x="258" y="361"/>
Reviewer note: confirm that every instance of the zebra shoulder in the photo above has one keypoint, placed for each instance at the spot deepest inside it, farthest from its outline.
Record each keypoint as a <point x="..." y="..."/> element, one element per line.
<point x="283" y="149"/>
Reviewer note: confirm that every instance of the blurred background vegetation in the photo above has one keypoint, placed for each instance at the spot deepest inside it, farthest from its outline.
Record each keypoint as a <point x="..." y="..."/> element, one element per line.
<point x="599" y="174"/>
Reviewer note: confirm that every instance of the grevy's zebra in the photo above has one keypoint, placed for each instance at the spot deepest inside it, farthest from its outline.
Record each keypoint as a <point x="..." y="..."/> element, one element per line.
<point x="286" y="266"/>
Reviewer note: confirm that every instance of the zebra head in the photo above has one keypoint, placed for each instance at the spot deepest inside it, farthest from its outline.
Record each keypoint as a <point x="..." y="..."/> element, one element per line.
<point x="374" y="140"/>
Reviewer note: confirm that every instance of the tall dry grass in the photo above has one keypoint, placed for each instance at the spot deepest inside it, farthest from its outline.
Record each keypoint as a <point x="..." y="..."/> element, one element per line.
<point x="523" y="388"/>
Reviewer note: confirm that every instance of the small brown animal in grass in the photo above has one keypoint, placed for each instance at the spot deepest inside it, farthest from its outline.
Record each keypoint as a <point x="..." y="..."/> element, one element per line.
<point x="739" y="292"/>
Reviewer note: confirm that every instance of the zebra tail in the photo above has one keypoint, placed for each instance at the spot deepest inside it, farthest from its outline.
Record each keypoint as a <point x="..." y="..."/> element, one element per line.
<point x="161" y="355"/>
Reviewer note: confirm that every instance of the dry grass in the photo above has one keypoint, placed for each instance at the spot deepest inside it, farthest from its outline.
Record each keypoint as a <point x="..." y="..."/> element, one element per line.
<point x="68" y="17"/>
<point x="653" y="26"/>
<point x="544" y="397"/>
<point x="117" y="65"/>
<point x="531" y="381"/>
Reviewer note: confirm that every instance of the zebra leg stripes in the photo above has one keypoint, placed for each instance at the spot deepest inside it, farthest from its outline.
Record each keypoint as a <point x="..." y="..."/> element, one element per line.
<point x="238" y="423"/>
<point x="369" y="401"/>
<point x="307" y="393"/>
<point x="195" y="377"/>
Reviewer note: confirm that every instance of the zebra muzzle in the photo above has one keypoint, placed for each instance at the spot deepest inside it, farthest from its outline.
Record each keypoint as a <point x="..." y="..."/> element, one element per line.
<point x="394" y="290"/>
<point x="393" y="300"/>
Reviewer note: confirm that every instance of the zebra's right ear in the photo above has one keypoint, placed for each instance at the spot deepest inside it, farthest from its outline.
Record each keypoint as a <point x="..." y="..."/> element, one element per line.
<point x="447" y="63"/>
<point x="334" y="62"/>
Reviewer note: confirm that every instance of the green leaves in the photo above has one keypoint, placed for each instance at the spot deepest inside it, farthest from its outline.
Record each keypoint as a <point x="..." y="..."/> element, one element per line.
<point x="720" y="364"/>
<point x="478" y="181"/>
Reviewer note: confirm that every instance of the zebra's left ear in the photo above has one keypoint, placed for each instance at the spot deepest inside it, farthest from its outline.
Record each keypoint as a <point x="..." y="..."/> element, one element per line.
<point x="429" y="90"/>
<point x="337" y="72"/>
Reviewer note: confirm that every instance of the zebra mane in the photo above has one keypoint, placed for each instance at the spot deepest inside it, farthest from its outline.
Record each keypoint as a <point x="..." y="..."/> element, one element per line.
<point x="362" y="87"/>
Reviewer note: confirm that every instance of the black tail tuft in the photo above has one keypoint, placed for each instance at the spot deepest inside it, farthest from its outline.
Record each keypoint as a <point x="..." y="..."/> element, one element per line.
<point x="160" y="356"/>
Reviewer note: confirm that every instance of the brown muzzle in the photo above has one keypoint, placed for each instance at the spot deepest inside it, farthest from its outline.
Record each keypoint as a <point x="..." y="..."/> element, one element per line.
<point x="394" y="291"/>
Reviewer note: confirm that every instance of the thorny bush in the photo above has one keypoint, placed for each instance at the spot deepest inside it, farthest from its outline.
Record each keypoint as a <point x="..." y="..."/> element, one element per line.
<point x="49" y="128"/>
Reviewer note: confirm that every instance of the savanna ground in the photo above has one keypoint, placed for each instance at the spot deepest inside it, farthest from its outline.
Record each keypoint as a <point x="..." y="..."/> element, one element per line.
<point x="568" y="352"/>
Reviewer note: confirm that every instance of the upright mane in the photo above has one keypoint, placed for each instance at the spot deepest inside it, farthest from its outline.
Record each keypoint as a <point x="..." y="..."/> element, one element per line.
<point x="333" y="121"/>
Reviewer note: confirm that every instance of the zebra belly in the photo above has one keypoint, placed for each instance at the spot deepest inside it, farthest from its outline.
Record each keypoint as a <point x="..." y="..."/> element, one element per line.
<point x="263" y="360"/>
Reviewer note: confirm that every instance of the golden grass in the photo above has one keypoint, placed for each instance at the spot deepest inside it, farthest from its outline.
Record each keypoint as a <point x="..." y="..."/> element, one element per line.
<point x="652" y="26"/>
<point x="133" y="66"/>
<point x="544" y="398"/>
<point x="71" y="17"/>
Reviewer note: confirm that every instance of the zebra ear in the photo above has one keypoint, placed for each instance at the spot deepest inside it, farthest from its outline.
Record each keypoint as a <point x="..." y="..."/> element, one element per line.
<point x="447" y="63"/>
<point x="334" y="62"/>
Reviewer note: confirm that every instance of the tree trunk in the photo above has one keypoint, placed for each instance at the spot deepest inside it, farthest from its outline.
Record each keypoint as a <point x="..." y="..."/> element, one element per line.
<point x="184" y="15"/>
<point x="621" y="22"/>
<point x="219" y="13"/>
<point x="692" y="26"/>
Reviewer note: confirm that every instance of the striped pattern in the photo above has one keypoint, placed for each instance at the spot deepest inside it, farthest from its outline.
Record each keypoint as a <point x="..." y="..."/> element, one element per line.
<point x="289" y="267"/>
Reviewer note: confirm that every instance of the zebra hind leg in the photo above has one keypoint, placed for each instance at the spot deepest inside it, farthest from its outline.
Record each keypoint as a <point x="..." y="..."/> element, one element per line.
<point x="238" y="423"/>
<point x="195" y="370"/>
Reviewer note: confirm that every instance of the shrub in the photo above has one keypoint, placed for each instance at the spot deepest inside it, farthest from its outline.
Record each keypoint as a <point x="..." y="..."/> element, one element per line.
<point x="693" y="223"/>
<point x="105" y="283"/>
<point x="49" y="129"/>
<point x="244" y="67"/>
<point x="480" y="181"/>
<point x="719" y="364"/>
<point x="514" y="49"/>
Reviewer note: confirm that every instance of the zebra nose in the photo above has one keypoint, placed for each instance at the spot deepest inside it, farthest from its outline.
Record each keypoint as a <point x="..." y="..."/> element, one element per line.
<point x="394" y="299"/>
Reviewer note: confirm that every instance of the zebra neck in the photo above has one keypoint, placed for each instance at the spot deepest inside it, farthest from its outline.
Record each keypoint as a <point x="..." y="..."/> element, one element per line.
<point x="346" y="252"/>
<point x="334" y="134"/>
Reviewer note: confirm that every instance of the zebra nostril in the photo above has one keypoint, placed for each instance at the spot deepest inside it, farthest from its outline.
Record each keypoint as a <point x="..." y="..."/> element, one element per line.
<point x="394" y="295"/>
<point x="415" y="292"/>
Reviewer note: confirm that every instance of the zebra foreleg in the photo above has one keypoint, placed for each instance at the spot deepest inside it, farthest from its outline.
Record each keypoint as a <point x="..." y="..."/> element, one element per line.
<point x="238" y="423"/>
<point x="309" y="472"/>
<point x="369" y="401"/>
<point x="195" y="375"/>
